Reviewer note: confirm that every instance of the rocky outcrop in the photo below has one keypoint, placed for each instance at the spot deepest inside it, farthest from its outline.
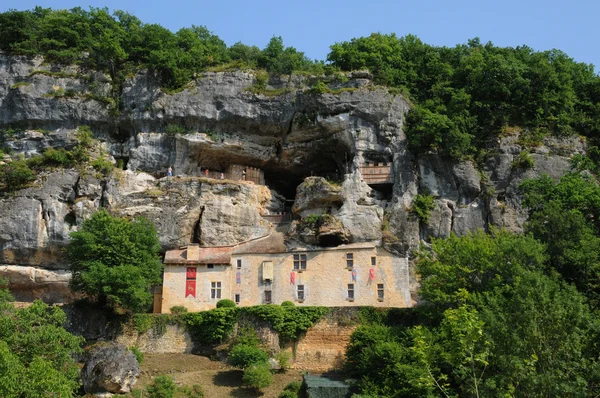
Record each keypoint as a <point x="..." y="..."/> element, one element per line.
<point x="29" y="284"/>
<point x="109" y="368"/>
<point x="300" y="140"/>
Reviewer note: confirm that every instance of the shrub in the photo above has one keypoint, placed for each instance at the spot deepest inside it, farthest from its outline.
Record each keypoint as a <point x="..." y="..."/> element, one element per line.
<point x="138" y="354"/>
<point x="258" y="376"/>
<point x="178" y="310"/>
<point x="195" y="391"/>
<point x="523" y="161"/>
<point x="84" y="136"/>
<point x="283" y="359"/>
<point x="294" y="386"/>
<point x="212" y="326"/>
<point x="422" y="206"/>
<point x="225" y="303"/>
<point x="163" y="387"/>
<point x="172" y="130"/>
<point x="288" y="394"/>
<point x="16" y="174"/>
<point x="319" y="88"/>
<point x="288" y="304"/>
<point x="58" y="157"/>
<point x="247" y="336"/>
<point x="103" y="166"/>
<point x="242" y="356"/>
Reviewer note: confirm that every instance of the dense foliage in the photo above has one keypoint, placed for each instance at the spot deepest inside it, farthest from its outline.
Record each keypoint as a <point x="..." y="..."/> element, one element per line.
<point x="496" y="320"/>
<point x="119" y="43"/>
<point x="115" y="259"/>
<point x="466" y="95"/>
<point x="36" y="352"/>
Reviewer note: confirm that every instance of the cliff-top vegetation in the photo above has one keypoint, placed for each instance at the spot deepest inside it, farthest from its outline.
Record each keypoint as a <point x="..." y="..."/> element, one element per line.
<point x="464" y="97"/>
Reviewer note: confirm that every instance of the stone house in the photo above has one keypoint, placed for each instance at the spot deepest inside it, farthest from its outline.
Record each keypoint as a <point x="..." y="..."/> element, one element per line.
<point x="263" y="272"/>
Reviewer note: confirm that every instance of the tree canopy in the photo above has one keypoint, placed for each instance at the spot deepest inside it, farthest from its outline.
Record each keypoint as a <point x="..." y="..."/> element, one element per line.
<point x="116" y="259"/>
<point x="36" y="352"/>
<point x="464" y="97"/>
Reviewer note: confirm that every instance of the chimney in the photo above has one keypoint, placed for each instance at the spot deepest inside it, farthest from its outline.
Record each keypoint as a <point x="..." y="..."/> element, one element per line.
<point x="193" y="253"/>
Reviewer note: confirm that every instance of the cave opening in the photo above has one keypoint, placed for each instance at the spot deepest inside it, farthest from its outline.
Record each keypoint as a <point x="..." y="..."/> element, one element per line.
<point x="331" y="240"/>
<point x="197" y="231"/>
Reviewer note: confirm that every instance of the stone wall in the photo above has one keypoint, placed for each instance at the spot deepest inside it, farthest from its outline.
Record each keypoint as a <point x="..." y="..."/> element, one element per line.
<point x="175" y="339"/>
<point x="322" y="348"/>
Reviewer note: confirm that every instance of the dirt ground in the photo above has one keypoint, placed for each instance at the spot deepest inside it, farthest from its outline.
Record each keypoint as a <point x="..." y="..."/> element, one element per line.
<point x="216" y="378"/>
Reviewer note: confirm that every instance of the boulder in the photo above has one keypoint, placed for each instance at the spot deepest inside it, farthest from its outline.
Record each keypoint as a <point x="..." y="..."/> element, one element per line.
<point x="109" y="368"/>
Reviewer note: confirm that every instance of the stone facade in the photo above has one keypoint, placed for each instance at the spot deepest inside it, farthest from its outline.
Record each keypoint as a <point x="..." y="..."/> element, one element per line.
<point x="347" y="275"/>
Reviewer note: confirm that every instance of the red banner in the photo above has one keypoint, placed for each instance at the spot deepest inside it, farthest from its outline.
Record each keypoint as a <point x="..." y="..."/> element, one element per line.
<point x="293" y="278"/>
<point x="190" y="288"/>
<point x="190" y="273"/>
<point x="372" y="273"/>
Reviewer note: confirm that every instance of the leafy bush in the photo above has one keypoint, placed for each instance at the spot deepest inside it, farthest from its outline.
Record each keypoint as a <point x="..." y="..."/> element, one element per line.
<point x="84" y="136"/>
<point x="178" y="310"/>
<point x="292" y="390"/>
<point x="16" y="174"/>
<point x="288" y="303"/>
<point x="288" y="322"/>
<point x="103" y="166"/>
<point x="422" y="206"/>
<point x="284" y="358"/>
<point x="523" y="161"/>
<point x="138" y="354"/>
<point x="173" y="129"/>
<point x="212" y="326"/>
<point x="246" y="335"/>
<point x="258" y="376"/>
<point x="288" y="394"/>
<point x="242" y="356"/>
<point x="195" y="391"/>
<point x="225" y="303"/>
<point x="319" y="88"/>
<point x="162" y="387"/>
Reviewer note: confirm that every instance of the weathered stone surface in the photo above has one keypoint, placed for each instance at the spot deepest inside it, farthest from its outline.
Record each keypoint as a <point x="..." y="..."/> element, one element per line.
<point x="29" y="284"/>
<point x="361" y="215"/>
<point x="109" y="368"/>
<point x="440" y="220"/>
<point x="185" y="210"/>
<point x="316" y="195"/>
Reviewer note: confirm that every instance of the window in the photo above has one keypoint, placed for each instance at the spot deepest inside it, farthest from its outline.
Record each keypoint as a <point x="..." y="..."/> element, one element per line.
<point x="300" y="292"/>
<point x="349" y="260"/>
<point x="237" y="298"/>
<point x="239" y="264"/>
<point x="210" y="266"/>
<point x="350" y="291"/>
<point x="299" y="261"/>
<point x="373" y="261"/>
<point x="267" y="297"/>
<point x="380" y="291"/>
<point x="215" y="290"/>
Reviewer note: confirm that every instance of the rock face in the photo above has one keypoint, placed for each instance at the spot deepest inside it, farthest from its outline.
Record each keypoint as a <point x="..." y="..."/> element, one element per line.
<point x="300" y="141"/>
<point x="109" y="368"/>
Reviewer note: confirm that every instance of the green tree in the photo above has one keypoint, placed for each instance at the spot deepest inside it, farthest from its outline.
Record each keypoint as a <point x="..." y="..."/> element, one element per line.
<point x="36" y="352"/>
<point x="115" y="259"/>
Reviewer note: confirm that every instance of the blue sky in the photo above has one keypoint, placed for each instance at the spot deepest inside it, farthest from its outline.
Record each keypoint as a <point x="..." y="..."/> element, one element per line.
<point x="312" y="26"/>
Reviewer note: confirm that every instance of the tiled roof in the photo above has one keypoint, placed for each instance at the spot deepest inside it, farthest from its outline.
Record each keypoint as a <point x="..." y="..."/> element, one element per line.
<point x="207" y="255"/>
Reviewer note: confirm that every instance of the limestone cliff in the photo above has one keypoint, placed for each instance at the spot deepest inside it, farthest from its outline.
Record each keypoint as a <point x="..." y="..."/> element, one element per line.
<point x="285" y="129"/>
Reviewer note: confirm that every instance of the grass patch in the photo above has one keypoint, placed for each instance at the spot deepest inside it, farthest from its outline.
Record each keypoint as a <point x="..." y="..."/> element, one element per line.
<point x="49" y="73"/>
<point x="20" y="84"/>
